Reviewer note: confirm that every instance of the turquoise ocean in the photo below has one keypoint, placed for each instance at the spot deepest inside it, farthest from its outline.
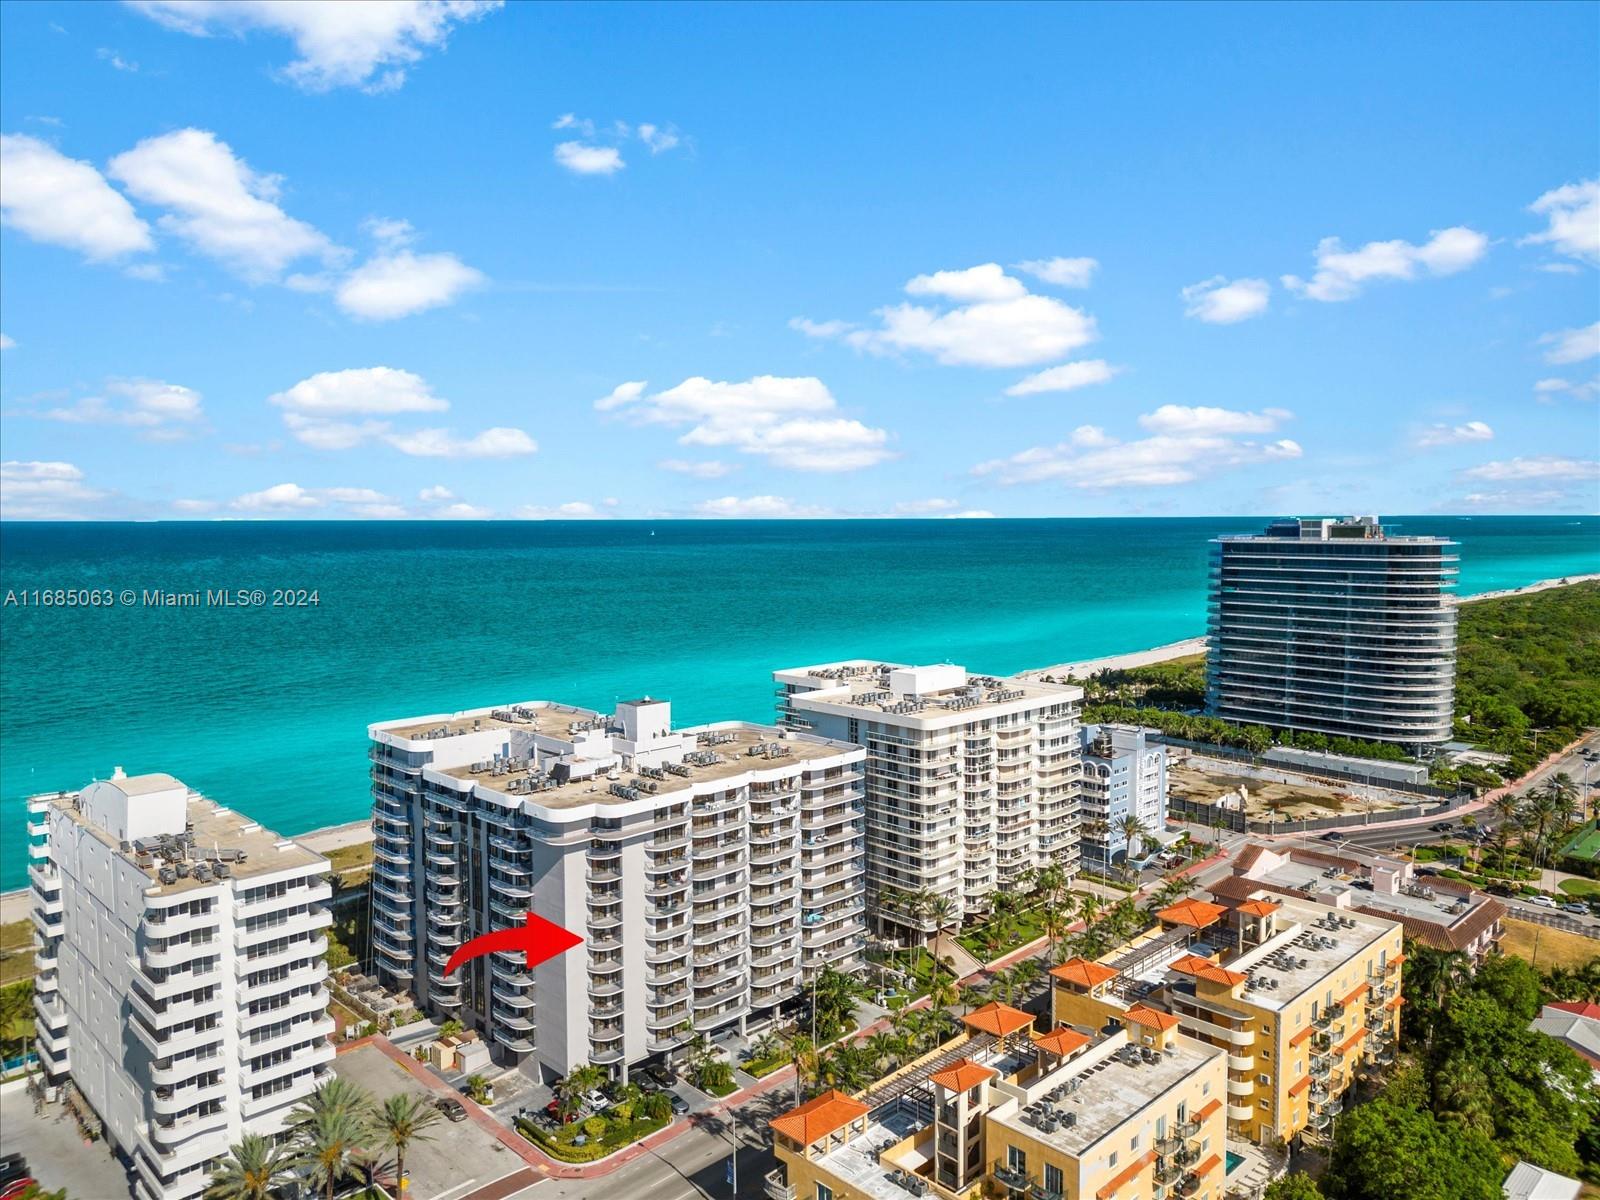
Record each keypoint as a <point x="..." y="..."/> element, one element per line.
<point x="266" y="709"/>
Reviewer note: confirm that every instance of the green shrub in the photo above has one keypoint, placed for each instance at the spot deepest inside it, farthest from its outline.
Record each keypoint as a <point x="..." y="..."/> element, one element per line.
<point x="594" y="1126"/>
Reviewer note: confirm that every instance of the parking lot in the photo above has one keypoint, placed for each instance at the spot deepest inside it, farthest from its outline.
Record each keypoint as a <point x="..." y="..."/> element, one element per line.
<point x="57" y="1154"/>
<point x="463" y="1160"/>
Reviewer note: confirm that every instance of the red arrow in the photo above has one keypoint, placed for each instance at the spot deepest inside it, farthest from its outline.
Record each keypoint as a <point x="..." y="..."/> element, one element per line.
<point x="540" y="939"/>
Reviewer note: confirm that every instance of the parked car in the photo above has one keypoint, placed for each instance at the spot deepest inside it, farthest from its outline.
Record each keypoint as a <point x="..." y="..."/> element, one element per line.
<point x="451" y="1108"/>
<point x="553" y="1111"/>
<point x="1576" y="909"/>
<point x="1333" y="836"/>
<point x="12" y="1168"/>
<point x="653" y="1078"/>
<point x="680" y="1106"/>
<point x="9" y="1191"/>
<point x="1542" y="901"/>
<point x="595" y="1100"/>
<point x="1441" y="827"/>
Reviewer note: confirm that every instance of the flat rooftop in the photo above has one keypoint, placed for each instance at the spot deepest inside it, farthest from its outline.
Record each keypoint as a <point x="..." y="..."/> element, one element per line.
<point x="1110" y="1091"/>
<point x="863" y="686"/>
<point x="1340" y="888"/>
<point x="215" y="830"/>
<point x="732" y="745"/>
<point x="856" y="1162"/>
<point x="1307" y="934"/>
<point x="543" y="716"/>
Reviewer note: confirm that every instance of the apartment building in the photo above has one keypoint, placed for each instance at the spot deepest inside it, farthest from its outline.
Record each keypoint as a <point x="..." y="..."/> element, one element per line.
<point x="711" y="872"/>
<point x="1130" y="1114"/>
<point x="1296" y="993"/>
<point x="971" y="780"/>
<point x="1437" y="912"/>
<point x="1124" y="776"/>
<point x="181" y="973"/>
<point x="1336" y="627"/>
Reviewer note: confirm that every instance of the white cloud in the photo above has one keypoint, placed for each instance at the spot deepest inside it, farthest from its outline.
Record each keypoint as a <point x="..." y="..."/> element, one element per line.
<point x="1065" y="378"/>
<point x="117" y="62"/>
<point x="464" y="512"/>
<point x="1212" y="422"/>
<point x="1219" y="301"/>
<point x="499" y="442"/>
<point x="985" y="282"/>
<point x="710" y="469"/>
<point x="970" y="514"/>
<point x="659" y="140"/>
<point x="1518" y="500"/>
<point x="1062" y="272"/>
<point x="194" y="507"/>
<point x="322" y="434"/>
<point x="1587" y="390"/>
<point x="995" y="322"/>
<point x="366" y="45"/>
<point x="7" y="343"/>
<point x="572" y="121"/>
<point x="1342" y="273"/>
<point x="349" y="495"/>
<point x="436" y="493"/>
<point x="623" y="393"/>
<point x="789" y="421"/>
<point x="1090" y="458"/>
<point x="148" y="404"/>
<point x="758" y="507"/>
<point x="1572" y="345"/>
<point x="403" y="283"/>
<point x="389" y="232"/>
<point x="65" y="202"/>
<point x="218" y="204"/>
<point x="933" y="506"/>
<point x="1455" y="435"/>
<point x="1539" y="466"/>
<point x="1573" y="212"/>
<point x="43" y="490"/>
<point x="573" y="510"/>
<point x="583" y="159"/>
<point x="820" y="329"/>
<point x="1558" y="268"/>
<point x="278" y="498"/>
<point x="363" y="391"/>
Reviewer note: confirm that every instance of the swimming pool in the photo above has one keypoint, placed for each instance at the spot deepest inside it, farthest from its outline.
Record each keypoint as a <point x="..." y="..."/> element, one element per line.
<point x="1233" y="1160"/>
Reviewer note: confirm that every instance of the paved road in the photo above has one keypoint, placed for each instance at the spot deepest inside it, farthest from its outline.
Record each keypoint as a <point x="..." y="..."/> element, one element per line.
<point x="57" y="1155"/>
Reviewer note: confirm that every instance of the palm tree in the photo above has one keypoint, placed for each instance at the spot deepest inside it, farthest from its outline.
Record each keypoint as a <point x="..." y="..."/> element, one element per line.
<point x="338" y="1096"/>
<point x="1432" y="973"/>
<point x="883" y="1050"/>
<point x="970" y="998"/>
<point x="331" y="1150"/>
<point x="944" y="912"/>
<point x="803" y="1057"/>
<point x="401" y="1120"/>
<point x="1130" y="828"/>
<point x="1025" y="974"/>
<point x="581" y="1080"/>
<point x="251" y="1171"/>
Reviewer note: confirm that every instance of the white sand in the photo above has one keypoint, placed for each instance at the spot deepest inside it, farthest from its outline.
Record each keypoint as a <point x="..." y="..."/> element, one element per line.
<point x="1121" y="662"/>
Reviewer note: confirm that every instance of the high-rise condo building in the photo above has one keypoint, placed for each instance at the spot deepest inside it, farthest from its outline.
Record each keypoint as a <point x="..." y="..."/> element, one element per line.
<point x="1124" y="776"/>
<point x="1298" y="994"/>
<point x="971" y="780"/>
<point x="1334" y="627"/>
<point x="180" y="959"/>
<point x="710" y="871"/>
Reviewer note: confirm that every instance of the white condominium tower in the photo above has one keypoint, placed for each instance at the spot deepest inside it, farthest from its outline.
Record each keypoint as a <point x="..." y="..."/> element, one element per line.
<point x="181" y="970"/>
<point x="710" y="872"/>
<point x="1335" y="627"/>
<point x="971" y="780"/>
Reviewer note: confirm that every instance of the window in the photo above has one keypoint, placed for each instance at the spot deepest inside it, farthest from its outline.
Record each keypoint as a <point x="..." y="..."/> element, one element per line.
<point x="824" y="1192"/>
<point x="1261" y="1079"/>
<point x="1112" y="1161"/>
<point x="1017" y="1159"/>
<point x="1053" y="1181"/>
<point x="1133" y="1142"/>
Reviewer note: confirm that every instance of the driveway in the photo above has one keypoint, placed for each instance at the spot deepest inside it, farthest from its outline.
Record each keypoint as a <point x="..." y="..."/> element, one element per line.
<point x="57" y="1155"/>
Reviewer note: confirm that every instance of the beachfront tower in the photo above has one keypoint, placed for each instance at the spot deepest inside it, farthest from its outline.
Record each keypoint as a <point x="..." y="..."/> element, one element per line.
<point x="1335" y="627"/>
<point x="711" y="871"/>
<point x="972" y="781"/>
<point x="1124" y="775"/>
<point x="180" y="987"/>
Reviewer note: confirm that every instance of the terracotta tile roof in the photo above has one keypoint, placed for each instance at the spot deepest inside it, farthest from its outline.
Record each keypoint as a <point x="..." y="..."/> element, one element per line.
<point x="1206" y="1109"/>
<point x="1061" y="1041"/>
<point x="1396" y="1002"/>
<point x="1192" y="912"/>
<point x="1150" y="1018"/>
<point x="1357" y="994"/>
<point x="1083" y="973"/>
<point x="963" y="1074"/>
<point x="998" y="1019"/>
<point x="1189" y="964"/>
<point x="1301" y="1086"/>
<point x="1301" y="1036"/>
<point x="1204" y="968"/>
<point x="1208" y="1166"/>
<point x="1437" y="933"/>
<point x="816" y="1119"/>
<point x="1248" y="857"/>
<point x="1578" y="1008"/>
<point x="1396" y="961"/>
<point x="1260" y="908"/>
<point x="1237" y="887"/>
<point x="1129" y="1174"/>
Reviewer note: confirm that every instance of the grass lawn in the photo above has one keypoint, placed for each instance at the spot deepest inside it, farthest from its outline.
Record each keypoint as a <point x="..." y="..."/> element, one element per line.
<point x="350" y="858"/>
<point x="16" y="951"/>
<point x="1580" y="887"/>
<point x="1547" y="948"/>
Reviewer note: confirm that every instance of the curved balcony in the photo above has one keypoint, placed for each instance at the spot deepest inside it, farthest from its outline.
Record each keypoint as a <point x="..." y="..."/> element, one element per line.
<point x="1240" y="1087"/>
<point x="513" y="973"/>
<point x="515" y="889"/>
<point x="513" y="1040"/>
<point x="1241" y="1062"/>
<point x="1240" y="1112"/>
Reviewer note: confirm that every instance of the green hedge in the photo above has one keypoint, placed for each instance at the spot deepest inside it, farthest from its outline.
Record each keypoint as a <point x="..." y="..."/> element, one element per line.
<point x="559" y="1145"/>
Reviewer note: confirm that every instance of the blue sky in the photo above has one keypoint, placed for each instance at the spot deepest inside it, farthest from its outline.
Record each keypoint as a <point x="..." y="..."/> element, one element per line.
<point x="410" y="260"/>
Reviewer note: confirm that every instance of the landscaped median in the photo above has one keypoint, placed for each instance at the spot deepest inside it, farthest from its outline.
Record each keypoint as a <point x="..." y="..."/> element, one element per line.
<point x="599" y="1135"/>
